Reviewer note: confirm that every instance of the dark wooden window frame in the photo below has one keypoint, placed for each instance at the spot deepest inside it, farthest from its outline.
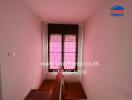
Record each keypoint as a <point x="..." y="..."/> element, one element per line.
<point x="63" y="29"/>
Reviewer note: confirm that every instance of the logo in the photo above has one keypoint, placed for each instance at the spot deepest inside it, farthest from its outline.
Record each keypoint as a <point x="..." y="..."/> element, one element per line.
<point x="117" y="10"/>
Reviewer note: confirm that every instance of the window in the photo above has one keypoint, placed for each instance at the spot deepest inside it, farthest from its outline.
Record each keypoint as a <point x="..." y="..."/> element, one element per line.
<point x="62" y="47"/>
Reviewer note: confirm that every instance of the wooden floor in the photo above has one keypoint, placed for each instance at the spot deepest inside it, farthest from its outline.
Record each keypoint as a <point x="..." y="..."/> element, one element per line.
<point x="38" y="95"/>
<point x="43" y="93"/>
<point x="73" y="91"/>
<point x="47" y="85"/>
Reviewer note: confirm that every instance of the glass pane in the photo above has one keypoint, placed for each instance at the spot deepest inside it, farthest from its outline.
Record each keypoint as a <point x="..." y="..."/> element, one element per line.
<point x="69" y="60"/>
<point x="56" y="37"/>
<point x="55" y="47"/>
<point x="55" y="60"/>
<point x="69" y="46"/>
<point x="70" y="38"/>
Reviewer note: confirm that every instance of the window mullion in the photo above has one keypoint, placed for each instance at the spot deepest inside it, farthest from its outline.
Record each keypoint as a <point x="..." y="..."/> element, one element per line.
<point x="62" y="51"/>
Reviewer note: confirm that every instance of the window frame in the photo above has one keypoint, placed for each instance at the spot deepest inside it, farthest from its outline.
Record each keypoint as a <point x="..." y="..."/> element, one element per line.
<point x="76" y="61"/>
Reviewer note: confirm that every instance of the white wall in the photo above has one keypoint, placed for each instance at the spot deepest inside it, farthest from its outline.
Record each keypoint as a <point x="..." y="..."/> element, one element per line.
<point x="20" y="32"/>
<point x="0" y="84"/>
<point x="108" y="40"/>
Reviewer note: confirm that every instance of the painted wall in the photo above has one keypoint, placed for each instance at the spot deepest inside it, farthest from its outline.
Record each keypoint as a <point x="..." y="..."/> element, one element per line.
<point x="21" y="33"/>
<point x="0" y="84"/>
<point x="108" y="40"/>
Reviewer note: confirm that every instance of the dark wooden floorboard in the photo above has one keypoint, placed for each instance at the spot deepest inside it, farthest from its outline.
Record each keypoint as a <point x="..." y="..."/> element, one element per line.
<point x="74" y="91"/>
<point x="38" y="95"/>
<point x="47" y="85"/>
<point x="43" y="93"/>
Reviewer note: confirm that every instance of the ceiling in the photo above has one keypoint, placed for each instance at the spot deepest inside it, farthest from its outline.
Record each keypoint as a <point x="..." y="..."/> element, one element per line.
<point x="64" y="11"/>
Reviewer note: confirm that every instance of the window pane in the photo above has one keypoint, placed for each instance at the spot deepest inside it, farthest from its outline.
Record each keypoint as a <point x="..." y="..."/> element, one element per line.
<point x="55" y="55"/>
<point x="70" y="38"/>
<point x="55" y="37"/>
<point x="69" y="50"/>
<point x="55" y="46"/>
<point x="69" y="43"/>
<point x="69" y="60"/>
<point x="55" y="60"/>
<point x="69" y="46"/>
